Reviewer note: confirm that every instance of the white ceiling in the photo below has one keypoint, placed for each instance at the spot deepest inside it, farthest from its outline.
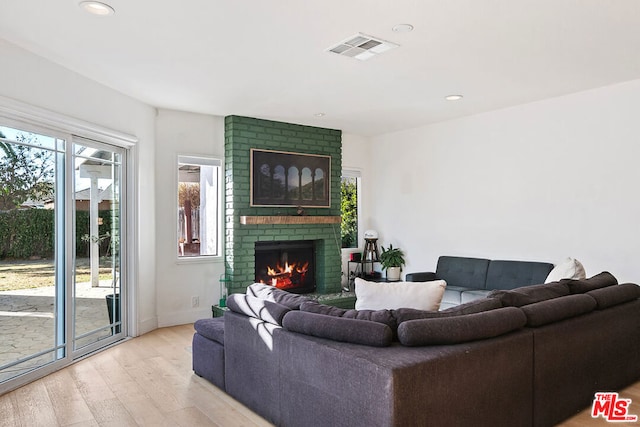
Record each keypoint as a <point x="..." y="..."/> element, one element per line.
<point x="268" y="59"/>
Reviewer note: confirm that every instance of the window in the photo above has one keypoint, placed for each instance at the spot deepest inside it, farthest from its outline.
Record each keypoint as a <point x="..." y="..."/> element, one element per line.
<point x="350" y="206"/>
<point x="198" y="206"/>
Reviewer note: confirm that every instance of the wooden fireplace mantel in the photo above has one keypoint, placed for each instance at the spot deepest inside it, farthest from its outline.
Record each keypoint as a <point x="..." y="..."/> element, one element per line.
<point x="289" y="219"/>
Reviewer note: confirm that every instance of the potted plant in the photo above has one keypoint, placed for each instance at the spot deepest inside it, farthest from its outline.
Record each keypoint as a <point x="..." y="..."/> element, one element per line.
<point x="392" y="260"/>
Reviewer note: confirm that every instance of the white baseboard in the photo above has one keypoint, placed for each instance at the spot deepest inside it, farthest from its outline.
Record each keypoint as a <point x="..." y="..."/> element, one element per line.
<point x="147" y="326"/>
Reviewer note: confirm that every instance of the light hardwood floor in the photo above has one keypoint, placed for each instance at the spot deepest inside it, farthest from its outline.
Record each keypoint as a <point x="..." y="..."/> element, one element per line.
<point x="148" y="381"/>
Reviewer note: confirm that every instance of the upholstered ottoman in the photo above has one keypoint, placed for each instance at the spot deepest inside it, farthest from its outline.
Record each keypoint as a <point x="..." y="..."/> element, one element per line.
<point x="208" y="350"/>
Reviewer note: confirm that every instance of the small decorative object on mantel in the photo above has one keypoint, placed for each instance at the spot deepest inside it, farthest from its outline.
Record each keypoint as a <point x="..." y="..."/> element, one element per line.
<point x="300" y="210"/>
<point x="392" y="260"/>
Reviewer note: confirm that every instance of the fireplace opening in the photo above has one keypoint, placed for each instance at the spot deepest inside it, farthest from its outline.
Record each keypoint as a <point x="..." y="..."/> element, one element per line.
<point x="288" y="265"/>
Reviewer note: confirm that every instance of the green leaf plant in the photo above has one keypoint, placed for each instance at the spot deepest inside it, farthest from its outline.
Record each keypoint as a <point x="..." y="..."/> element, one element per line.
<point x="391" y="257"/>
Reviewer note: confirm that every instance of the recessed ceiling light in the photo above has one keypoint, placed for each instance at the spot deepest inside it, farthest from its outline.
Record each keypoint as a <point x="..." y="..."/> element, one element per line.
<point x="319" y="114"/>
<point x="97" y="8"/>
<point x="453" y="97"/>
<point x="402" y="28"/>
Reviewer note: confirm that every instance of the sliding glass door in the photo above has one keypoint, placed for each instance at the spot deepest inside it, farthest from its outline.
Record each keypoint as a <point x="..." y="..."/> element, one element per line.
<point x="32" y="181"/>
<point x="61" y="221"/>
<point x="97" y="211"/>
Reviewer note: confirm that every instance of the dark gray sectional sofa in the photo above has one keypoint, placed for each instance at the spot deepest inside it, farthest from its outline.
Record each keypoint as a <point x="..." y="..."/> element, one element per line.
<point x="531" y="356"/>
<point x="469" y="279"/>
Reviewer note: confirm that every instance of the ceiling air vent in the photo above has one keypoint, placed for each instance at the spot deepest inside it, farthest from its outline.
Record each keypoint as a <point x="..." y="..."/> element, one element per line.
<point x="361" y="46"/>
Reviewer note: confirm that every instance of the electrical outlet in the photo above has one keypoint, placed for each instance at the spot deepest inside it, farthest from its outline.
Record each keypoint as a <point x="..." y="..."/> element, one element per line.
<point x="195" y="302"/>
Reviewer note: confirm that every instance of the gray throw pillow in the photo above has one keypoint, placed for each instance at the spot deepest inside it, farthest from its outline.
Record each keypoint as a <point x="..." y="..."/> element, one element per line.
<point x="381" y="316"/>
<point x="477" y="306"/>
<point x="601" y="280"/>
<point x="554" y="310"/>
<point x="459" y="329"/>
<point x="338" y="328"/>
<point x="270" y="293"/>
<point x="614" y="295"/>
<point x="262" y="309"/>
<point x="531" y="294"/>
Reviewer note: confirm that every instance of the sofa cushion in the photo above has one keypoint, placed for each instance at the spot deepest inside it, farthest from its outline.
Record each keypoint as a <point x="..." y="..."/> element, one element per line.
<point x="531" y="294"/>
<point x="406" y="314"/>
<point x="262" y="309"/>
<point x="473" y="295"/>
<point x="570" y="268"/>
<point x="211" y="328"/>
<point x="614" y="295"/>
<point x="452" y="296"/>
<point x="327" y="310"/>
<point x="477" y="306"/>
<point x="271" y="293"/>
<point x="381" y="316"/>
<point x="462" y="271"/>
<point x="458" y="329"/>
<point x="513" y="274"/>
<point x="554" y="310"/>
<point x="598" y="281"/>
<point x="379" y="296"/>
<point x="338" y="328"/>
<point x="208" y="359"/>
<point x="446" y="305"/>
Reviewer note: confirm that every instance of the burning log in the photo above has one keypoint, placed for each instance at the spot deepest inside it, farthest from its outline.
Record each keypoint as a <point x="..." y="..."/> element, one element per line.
<point x="288" y="276"/>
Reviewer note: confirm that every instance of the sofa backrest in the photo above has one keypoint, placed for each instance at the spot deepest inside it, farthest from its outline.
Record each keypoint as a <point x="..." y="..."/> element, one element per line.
<point x="461" y="271"/>
<point x="513" y="274"/>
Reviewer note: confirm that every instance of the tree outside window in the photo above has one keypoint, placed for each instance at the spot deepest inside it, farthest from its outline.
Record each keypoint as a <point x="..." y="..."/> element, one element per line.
<point x="349" y="207"/>
<point x="26" y="172"/>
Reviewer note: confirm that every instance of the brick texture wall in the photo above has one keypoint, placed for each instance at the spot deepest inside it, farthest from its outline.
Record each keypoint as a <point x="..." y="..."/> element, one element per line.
<point x="244" y="133"/>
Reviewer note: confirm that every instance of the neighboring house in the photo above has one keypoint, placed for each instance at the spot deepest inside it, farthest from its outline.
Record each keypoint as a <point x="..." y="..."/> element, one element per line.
<point x="82" y="198"/>
<point x="33" y="204"/>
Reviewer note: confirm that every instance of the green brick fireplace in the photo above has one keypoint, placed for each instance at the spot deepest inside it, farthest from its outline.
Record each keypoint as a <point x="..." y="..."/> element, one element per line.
<point x="244" y="133"/>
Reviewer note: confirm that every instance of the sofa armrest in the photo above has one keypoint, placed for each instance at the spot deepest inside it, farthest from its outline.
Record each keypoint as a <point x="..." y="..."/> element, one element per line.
<point x="423" y="276"/>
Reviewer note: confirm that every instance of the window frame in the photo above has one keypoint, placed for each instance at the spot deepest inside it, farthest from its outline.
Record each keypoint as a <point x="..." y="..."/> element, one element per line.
<point x="357" y="174"/>
<point x="200" y="160"/>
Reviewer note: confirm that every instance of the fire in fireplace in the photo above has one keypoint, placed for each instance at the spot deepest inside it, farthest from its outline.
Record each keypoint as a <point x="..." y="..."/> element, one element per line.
<point x="287" y="265"/>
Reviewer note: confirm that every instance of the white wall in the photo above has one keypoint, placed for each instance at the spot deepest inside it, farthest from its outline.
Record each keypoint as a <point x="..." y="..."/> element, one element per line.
<point x="31" y="79"/>
<point x="177" y="281"/>
<point x="540" y="181"/>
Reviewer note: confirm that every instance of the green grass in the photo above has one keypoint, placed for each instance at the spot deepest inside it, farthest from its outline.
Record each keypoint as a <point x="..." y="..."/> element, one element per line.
<point x="26" y="274"/>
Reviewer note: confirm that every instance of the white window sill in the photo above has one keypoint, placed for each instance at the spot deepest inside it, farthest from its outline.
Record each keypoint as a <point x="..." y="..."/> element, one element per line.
<point x="206" y="259"/>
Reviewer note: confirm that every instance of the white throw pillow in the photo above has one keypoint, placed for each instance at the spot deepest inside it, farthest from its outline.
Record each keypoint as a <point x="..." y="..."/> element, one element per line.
<point x="393" y="295"/>
<point x="569" y="269"/>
